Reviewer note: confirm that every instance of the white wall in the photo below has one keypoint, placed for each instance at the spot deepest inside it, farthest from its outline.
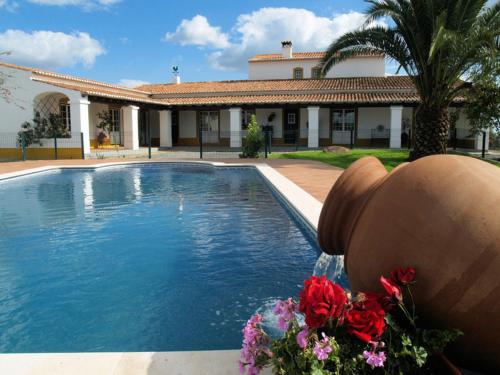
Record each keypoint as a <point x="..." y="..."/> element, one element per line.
<point x="304" y="121"/>
<point x="283" y="69"/>
<point x="324" y="123"/>
<point x="17" y="94"/>
<point x="263" y="114"/>
<point x="94" y="109"/>
<point x="371" y="117"/>
<point x="187" y="124"/>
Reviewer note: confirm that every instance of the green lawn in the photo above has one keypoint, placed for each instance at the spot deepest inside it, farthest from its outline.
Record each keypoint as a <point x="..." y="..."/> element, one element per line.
<point x="390" y="158"/>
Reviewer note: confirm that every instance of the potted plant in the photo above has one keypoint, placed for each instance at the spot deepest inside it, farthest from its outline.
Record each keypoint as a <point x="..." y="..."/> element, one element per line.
<point x="330" y="331"/>
<point x="106" y="126"/>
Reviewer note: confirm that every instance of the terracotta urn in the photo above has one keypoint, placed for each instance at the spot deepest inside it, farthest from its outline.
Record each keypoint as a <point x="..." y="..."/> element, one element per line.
<point x="439" y="214"/>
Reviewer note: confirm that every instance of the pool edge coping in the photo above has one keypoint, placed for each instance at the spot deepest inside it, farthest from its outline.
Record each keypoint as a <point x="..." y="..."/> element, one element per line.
<point x="188" y="362"/>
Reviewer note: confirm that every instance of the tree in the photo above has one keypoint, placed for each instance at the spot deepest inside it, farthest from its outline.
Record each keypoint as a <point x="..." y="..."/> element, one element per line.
<point x="437" y="43"/>
<point x="483" y="97"/>
<point x="253" y="141"/>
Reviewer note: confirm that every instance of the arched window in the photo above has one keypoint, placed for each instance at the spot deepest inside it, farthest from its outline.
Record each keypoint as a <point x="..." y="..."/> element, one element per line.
<point x="298" y="73"/>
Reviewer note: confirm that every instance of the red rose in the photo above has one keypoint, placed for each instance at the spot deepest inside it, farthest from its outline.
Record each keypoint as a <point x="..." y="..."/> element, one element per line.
<point x="366" y="320"/>
<point x="368" y="298"/>
<point x="321" y="300"/>
<point x="403" y="277"/>
<point x="391" y="288"/>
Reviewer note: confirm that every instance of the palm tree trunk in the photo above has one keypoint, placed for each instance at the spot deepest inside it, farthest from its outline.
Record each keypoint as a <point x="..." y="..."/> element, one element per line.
<point x="432" y="126"/>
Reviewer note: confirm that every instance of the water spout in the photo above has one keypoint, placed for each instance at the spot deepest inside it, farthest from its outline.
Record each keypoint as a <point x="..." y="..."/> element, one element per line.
<point x="332" y="266"/>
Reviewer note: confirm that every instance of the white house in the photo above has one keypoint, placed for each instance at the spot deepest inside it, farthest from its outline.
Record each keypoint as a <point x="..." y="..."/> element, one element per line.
<point x="355" y="103"/>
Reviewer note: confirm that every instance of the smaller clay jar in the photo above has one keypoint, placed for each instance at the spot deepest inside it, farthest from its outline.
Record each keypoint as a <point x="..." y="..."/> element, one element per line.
<point x="441" y="215"/>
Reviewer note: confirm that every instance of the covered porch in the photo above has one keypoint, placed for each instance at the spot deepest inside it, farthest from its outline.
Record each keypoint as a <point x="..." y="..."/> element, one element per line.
<point x="137" y="125"/>
<point x="290" y="125"/>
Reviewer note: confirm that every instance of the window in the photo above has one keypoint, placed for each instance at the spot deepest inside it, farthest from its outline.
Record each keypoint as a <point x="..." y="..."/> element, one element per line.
<point x="246" y="117"/>
<point x="343" y="119"/>
<point x="209" y="124"/>
<point x="298" y="73"/>
<point x="65" y="113"/>
<point x="292" y="118"/>
<point x="115" y="136"/>
<point x="316" y="73"/>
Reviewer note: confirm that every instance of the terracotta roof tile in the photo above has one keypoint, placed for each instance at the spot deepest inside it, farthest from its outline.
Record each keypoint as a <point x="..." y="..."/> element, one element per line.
<point x="362" y="98"/>
<point x="363" y="90"/>
<point x="299" y="56"/>
<point x="283" y="85"/>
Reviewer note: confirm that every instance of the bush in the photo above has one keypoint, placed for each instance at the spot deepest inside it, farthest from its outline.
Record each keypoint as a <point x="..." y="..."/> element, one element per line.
<point x="254" y="141"/>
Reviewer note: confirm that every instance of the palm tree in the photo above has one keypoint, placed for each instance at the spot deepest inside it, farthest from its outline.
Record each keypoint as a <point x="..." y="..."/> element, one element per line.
<point x="437" y="42"/>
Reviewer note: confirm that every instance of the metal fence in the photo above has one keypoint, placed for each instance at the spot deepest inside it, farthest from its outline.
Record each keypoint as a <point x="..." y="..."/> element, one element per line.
<point x="23" y="146"/>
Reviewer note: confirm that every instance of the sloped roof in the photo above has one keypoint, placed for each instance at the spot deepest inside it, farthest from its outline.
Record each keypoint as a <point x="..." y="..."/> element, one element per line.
<point x="300" y="56"/>
<point x="85" y="86"/>
<point x="392" y="83"/>
<point x="311" y="98"/>
<point x="362" y="90"/>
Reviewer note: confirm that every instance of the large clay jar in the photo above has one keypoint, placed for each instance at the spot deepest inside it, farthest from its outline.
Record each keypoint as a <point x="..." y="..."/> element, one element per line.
<point x="439" y="214"/>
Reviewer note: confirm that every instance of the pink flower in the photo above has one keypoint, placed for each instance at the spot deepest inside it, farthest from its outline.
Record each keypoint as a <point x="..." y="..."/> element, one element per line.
<point x="255" y="343"/>
<point x="286" y="312"/>
<point x="374" y="359"/>
<point x="322" y="348"/>
<point x="302" y="337"/>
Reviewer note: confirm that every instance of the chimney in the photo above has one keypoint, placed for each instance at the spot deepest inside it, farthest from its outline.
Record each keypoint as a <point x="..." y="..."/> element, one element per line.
<point x="176" y="78"/>
<point x="286" y="49"/>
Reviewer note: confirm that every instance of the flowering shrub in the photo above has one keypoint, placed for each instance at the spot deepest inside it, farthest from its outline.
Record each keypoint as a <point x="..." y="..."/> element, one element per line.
<point x="345" y="334"/>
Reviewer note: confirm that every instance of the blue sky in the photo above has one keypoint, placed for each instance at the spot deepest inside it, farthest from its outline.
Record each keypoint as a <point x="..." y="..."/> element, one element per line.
<point x="113" y="40"/>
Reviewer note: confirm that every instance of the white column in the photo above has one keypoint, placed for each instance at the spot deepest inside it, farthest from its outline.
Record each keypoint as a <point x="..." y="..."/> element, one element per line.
<point x="479" y="140"/>
<point x="313" y="132"/>
<point x="131" y="127"/>
<point x="165" y="129"/>
<point x="396" y="124"/>
<point x="235" y="127"/>
<point x="80" y="121"/>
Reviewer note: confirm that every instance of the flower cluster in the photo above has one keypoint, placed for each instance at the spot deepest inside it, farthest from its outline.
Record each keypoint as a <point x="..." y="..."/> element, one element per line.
<point x="255" y="349"/>
<point x="286" y="312"/>
<point x="343" y="333"/>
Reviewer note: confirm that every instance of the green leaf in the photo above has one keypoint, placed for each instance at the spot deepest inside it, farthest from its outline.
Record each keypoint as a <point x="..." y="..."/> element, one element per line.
<point x="420" y="355"/>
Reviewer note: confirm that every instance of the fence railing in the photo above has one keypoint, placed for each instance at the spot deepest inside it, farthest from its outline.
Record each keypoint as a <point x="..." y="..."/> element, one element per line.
<point x="23" y="146"/>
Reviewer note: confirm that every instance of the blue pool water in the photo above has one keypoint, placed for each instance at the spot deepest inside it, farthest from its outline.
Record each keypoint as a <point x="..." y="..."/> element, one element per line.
<point x="143" y="258"/>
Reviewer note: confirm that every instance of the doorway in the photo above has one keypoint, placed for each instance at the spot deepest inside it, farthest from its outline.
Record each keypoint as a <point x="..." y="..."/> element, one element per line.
<point x="291" y="128"/>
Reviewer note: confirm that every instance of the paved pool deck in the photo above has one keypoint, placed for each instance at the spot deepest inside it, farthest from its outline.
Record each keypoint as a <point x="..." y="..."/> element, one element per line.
<point x="305" y="184"/>
<point x="314" y="177"/>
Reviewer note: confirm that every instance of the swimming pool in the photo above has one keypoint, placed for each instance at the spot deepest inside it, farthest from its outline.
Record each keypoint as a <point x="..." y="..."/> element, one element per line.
<point x="153" y="257"/>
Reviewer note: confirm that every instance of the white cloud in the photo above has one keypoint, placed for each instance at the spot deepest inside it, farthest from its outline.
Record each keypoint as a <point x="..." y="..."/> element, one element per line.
<point x="262" y="31"/>
<point x="131" y="82"/>
<point x="50" y="49"/>
<point x="9" y="5"/>
<point x="85" y="4"/>
<point x="198" y="31"/>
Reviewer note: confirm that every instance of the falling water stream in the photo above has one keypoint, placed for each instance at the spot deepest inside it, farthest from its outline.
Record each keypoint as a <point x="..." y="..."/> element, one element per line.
<point x="332" y="266"/>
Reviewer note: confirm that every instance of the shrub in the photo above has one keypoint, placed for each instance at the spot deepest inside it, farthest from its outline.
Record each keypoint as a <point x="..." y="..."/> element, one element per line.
<point x="254" y="141"/>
